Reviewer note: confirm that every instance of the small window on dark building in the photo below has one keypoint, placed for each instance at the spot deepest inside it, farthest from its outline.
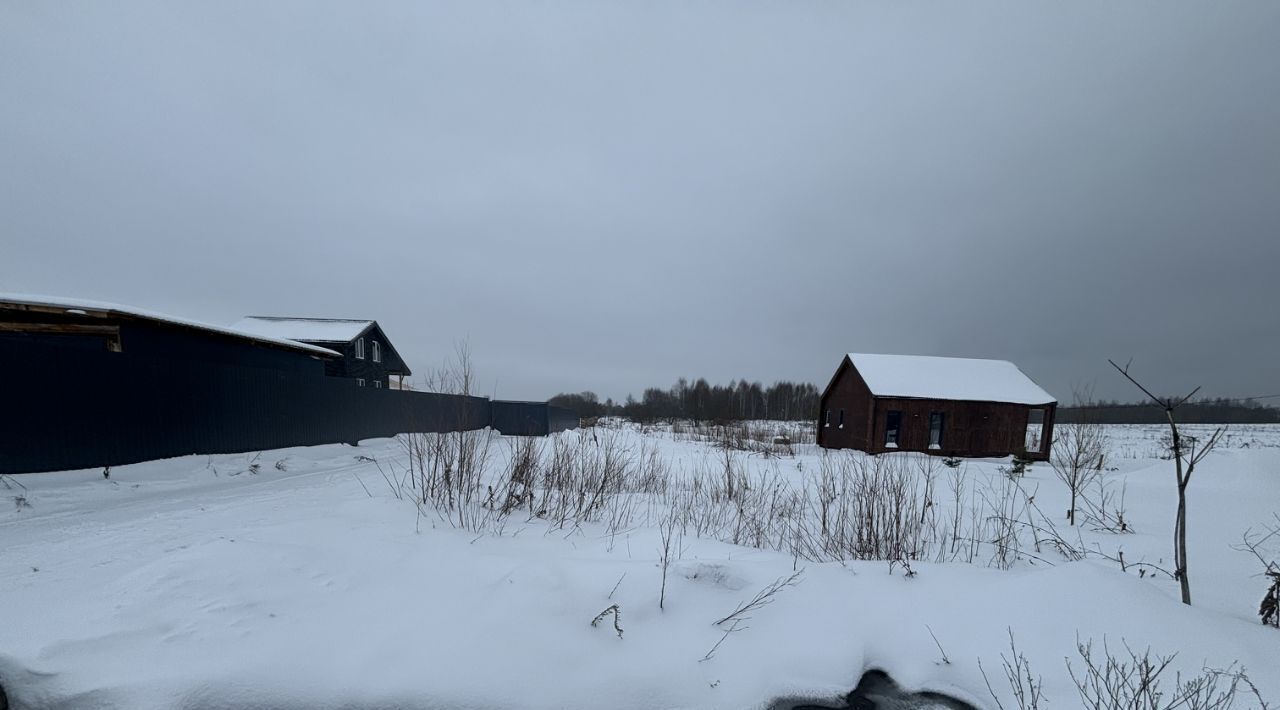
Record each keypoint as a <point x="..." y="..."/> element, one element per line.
<point x="377" y="351"/>
<point x="359" y="348"/>
<point x="935" y="430"/>
<point x="377" y="384"/>
<point x="841" y="418"/>
<point x="827" y="419"/>
<point x="359" y="382"/>
<point x="892" y="428"/>
<point x="1035" y="431"/>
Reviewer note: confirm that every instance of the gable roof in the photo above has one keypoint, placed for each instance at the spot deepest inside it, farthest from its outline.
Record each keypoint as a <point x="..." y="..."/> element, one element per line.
<point x="78" y="306"/>
<point x="952" y="378"/>
<point x="311" y="330"/>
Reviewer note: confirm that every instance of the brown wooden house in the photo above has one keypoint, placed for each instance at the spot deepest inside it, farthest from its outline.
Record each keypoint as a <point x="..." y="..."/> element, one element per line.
<point x="936" y="405"/>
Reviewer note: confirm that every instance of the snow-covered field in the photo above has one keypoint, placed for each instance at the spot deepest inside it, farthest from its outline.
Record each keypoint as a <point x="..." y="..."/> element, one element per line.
<point x="233" y="582"/>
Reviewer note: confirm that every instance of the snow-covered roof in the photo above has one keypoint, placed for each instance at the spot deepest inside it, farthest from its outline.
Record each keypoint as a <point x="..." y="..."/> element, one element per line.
<point x="924" y="377"/>
<point x="72" y="305"/>
<point x="314" y="330"/>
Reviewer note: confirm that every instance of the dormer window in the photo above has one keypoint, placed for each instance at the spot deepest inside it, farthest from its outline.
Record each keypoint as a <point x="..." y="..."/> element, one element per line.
<point x="359" y="348"/>
<point x="377" y="351"/>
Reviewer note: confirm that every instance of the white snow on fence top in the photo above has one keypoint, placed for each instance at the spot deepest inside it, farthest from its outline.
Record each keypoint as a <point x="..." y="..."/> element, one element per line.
<point x="87" y="306"/>
<point x="316" y="330"/>
<point x="924" y="377"/>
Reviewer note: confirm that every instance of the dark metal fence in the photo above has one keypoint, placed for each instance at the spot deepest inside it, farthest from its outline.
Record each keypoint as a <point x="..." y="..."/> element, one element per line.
<point x="67" y="408"/>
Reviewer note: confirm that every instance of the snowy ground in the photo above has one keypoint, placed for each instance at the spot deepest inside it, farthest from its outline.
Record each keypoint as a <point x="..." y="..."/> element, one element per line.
<point x="206" y="583"/>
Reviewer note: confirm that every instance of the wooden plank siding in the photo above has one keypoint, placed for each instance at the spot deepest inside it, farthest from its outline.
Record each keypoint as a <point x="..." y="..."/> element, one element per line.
<point x="849" y="394"/>
<point x="973" y="429"/>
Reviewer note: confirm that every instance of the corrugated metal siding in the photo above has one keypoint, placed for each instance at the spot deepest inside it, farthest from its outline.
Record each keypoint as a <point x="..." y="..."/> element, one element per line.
<point x="530" y="418"/>
<point x="75" y="408"/>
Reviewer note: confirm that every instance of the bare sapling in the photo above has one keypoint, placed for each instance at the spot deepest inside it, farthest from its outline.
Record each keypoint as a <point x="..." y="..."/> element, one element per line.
<point x="1187" y="453"/>
<point x="1079" y="449"/>
<point x="667" y="531"/>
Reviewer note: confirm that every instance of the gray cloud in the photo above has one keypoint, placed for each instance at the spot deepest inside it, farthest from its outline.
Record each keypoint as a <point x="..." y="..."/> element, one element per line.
<point x="609" y="195"/>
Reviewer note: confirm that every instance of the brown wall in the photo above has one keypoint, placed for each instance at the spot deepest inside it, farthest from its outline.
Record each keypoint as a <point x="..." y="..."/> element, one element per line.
<point x="846" y="391"/>
<point x="975" y="429"/>
<point x="983" y="429"/>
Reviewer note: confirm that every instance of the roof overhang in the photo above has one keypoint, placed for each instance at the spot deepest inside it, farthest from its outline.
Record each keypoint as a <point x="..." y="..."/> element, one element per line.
<point x="56" y="305"/>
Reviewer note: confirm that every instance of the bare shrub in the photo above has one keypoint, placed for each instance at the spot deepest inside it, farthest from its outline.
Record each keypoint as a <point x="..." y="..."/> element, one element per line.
<point x="1256" y="545"/>
<point x="521" y="476"/>
<point x="1079" y="450"/>
<point x="446" y="468"/>
<point x="1027" y="689"/>
<point x="1128" y="680"/>
<point x="1140" y="681"/>
<point x="873" y="508"/>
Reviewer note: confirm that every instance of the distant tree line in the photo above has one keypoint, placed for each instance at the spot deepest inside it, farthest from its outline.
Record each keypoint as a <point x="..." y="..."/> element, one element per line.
<point x="743" y="400"/>
<point x="701" y="401"/>
<point x="1204" y="411"/>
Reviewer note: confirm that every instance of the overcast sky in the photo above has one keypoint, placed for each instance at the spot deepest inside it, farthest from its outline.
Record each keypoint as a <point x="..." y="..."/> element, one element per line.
<point x="609" y="195"/>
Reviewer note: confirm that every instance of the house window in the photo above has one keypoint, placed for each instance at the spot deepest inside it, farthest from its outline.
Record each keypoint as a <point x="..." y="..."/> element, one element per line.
<point x="359" y="382"/>
<point x="841" y="418"/>
<point x="377" y="384"/>
<point x="892" y="428"/>
<point x="935" y="430"/>
<point x="1035" y="430"/>
<point x="827" y="420"/>
<point x="359" y="348"/>
<point x="377" y="351"/>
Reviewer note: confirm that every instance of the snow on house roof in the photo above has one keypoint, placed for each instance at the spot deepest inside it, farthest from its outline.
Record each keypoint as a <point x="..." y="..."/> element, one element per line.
<point x="924" y="377"/>
<point x="315" y="330"/>
<point x="77" y="305"/>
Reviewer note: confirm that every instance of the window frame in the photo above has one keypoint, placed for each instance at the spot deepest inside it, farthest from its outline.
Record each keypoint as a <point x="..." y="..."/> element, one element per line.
<point x="891" y="415"/>
<point x="1039" y="434"/>
<point x="360" y="348"/>
<point x="941" y="419"/>
<point x="359" y="382"/>
<point x="377" y="350"/>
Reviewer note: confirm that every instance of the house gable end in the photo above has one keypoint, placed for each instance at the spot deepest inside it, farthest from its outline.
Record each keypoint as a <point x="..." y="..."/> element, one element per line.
<point x="391" y="360"/>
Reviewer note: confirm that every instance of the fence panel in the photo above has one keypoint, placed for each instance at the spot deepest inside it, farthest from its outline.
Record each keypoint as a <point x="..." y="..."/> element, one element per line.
<point x="67" y="408"/>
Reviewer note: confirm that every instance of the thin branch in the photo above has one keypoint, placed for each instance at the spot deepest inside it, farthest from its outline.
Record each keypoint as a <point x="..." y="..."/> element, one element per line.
<point x="615" y="587"/>
<point x="1125" y="371"/>
<point x="939" y="645"/>
<point x="763" y="598"/>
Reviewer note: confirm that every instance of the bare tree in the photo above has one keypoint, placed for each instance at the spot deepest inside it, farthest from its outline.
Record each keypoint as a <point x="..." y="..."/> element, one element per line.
<point x="1079" y="449"/>
<point x="1187" y="453"/>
